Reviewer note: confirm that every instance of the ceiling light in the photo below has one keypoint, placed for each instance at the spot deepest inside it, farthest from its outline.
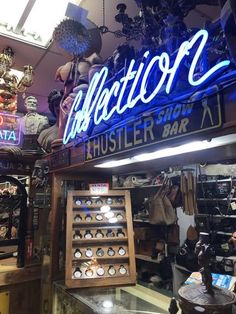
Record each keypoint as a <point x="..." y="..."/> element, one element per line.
<point x="115" y="163"/>
<point x="172" y="151"/>
<point x="32" y="21"/>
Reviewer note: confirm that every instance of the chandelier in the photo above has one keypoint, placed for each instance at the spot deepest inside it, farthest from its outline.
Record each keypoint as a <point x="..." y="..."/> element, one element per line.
<point x="10" y="83"/>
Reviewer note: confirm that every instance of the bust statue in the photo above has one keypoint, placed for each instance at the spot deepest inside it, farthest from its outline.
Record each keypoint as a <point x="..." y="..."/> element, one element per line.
<point x="32" y="122"/>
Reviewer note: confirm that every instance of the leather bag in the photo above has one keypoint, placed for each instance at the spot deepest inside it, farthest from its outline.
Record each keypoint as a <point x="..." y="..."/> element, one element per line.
<point x="161" y="210"/>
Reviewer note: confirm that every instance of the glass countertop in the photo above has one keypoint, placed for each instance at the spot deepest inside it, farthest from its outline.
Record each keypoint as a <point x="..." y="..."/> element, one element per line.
<point x="135" y="299"/>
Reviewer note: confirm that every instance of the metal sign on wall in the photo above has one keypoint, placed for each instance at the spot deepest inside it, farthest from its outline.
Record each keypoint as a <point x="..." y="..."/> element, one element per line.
<point x="166" y="123"/>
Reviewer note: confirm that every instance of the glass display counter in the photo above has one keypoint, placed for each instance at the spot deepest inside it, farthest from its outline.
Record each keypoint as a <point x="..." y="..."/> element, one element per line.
<point x="136" y="299"/>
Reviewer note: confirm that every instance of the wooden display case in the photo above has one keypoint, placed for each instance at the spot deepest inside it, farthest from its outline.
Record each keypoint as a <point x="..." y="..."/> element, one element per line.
<point x="99" y="240"/>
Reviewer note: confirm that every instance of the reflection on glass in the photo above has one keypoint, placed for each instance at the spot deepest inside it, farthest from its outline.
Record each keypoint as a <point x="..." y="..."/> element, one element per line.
<point x="105" y="208"/>
<point x="113" y="220"/>
<point x="107" y="304"/>
<point x="109" y="215"/>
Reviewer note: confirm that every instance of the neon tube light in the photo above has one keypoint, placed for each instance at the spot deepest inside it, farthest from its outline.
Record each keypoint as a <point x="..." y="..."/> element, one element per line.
<point x="171" y="151"/>
<point x="95" y="105"/>
<point x="10" y="129"/>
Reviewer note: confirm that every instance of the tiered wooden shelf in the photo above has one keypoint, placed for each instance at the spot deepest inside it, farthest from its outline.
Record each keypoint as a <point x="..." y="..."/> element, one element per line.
<point x="99" y="245"/>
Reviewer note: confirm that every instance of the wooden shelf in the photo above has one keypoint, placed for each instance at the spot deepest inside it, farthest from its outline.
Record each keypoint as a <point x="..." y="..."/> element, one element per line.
<point x="224" y="233"/>
<point x="101" y="240"/>
<point x="99" y="223"/>
<point x="216" y="181"/>
<point x="137" y="187"/>
<point x="216" y="199"/>
<point x="97" y="207"/>
<point x="141" y="220"/>
<point x="215" y="216"/>
<point x="108" y="258"/>
<point x="98" y="211"/>
<point x="146" y="258"/>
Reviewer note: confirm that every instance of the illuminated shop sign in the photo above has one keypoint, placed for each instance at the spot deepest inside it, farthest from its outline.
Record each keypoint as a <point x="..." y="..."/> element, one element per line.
<point x="169" y="122"/>
<point x="10" y="130"/>
<point x="101" y="103"/>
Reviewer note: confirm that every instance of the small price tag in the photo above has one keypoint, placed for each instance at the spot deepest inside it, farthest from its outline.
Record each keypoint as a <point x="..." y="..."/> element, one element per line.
<point x="233" y="205"/>
<point x="99" y="188"/>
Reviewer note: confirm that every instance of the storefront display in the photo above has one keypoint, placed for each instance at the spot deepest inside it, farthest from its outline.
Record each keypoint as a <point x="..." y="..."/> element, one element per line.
<point x="147" y="122"/>
<point x="99" y="243"/>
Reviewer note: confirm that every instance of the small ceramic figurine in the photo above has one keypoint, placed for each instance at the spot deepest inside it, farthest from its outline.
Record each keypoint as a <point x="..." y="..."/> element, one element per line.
<point x="204" y="254"/>
<point x="32" y="122"/>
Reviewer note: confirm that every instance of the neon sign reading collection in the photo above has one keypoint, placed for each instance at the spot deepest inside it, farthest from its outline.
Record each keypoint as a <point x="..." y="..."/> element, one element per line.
<point x="10" y="130"/>
<point x="96" y="104"/>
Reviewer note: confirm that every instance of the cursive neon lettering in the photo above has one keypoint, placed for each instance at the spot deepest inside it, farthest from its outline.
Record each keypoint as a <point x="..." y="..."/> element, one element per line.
<point x="101" y="102"/>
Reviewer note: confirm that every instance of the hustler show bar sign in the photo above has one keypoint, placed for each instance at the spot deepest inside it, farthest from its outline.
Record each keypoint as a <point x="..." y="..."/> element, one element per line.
<point x="172" y="121"/>
<point x="10" y="129"/>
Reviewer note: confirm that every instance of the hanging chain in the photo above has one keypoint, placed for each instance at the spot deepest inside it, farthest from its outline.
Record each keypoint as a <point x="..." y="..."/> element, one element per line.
<point x="103" y="12"/>
<point x="103" y="29"/>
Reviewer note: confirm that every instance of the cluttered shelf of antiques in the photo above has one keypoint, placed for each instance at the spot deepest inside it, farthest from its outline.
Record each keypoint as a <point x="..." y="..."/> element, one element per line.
<point x="157" y="242"/>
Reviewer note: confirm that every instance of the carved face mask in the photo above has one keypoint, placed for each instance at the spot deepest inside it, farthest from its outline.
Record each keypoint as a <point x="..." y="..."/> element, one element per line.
<point x="40" y="172"/>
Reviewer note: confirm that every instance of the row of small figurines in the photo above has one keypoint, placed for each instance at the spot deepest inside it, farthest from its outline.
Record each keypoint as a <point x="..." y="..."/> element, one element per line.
<point x="88" y="234"/>
<point x="91" y="271"/>
<point x="98" y="201"/>
<point x="100" y="252"/>
<point x="99" y="217"/>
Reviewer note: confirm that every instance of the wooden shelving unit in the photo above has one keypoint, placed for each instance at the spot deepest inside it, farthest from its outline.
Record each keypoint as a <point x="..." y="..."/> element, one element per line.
<point x="99" y="242"/>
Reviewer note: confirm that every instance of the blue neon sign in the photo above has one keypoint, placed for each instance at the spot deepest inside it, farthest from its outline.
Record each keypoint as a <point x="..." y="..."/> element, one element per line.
<point x="96" y="105"/>
<point x="10" y="129"/>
